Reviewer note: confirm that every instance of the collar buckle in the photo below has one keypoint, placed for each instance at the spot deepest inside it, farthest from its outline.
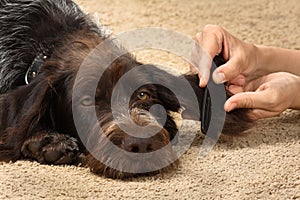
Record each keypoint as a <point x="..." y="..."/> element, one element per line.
<point x="33" y="70"/>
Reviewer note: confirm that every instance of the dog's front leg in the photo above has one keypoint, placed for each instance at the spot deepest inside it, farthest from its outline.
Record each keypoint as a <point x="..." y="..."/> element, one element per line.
<point x="51" y="148"/>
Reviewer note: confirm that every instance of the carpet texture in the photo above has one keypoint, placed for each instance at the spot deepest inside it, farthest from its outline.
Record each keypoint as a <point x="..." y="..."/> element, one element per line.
<point x="264" y="164"/>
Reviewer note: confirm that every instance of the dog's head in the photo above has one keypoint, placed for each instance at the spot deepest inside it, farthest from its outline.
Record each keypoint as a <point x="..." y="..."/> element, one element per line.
<point x="134" y="130"/>
<point x="124" y="123"/>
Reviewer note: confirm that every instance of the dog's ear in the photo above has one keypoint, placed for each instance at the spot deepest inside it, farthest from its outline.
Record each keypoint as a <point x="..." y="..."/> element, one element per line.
<point x="189" y="111"/>
<point x="23" y="111"/>
<point x="236" y="121"/>
<point x="168" y="98"/>
<point x="161" y="80"/>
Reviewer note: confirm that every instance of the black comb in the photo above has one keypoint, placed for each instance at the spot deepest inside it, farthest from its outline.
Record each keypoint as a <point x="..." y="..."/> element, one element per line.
<point x="206" y="101"/>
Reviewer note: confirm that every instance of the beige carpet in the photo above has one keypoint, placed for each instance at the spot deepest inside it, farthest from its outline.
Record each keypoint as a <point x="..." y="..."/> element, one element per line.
<point x="265" y="164"/>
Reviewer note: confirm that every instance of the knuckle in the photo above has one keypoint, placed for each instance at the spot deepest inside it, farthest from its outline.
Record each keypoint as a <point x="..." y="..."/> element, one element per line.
<point x="274" y="96"/>
<point x="247" y="102"/>
<point x="250" y="101"/>
<point x="214" y="33"/>
<point x="212" y="28"/>
<point x="274" y="101"/>
<point x="208" y="27"/>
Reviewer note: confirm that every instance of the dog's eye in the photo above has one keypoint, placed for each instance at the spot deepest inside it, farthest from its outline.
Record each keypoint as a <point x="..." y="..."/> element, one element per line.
<point x="143" y="96"/>
<point x="87" y="101"/>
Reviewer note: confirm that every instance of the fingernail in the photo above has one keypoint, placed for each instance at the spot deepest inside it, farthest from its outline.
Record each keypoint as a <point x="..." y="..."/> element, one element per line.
<point x="202" y="83"/>
<point x="231" y="107"/>
<point x="218" y="77"/>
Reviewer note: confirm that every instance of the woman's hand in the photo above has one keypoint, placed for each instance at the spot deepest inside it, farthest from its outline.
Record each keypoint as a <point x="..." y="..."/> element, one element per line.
<point x="240" y="57"/>
<point x="268" y="96"/>
<point x="244" y="61"/>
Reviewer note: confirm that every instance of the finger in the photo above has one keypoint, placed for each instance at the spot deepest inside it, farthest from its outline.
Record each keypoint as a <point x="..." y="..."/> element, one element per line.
<point x="201" y="62"/>
<point x="209" y="45"/>
<point x="234" y="89"/>
<point x="240" y="80"/>
<point x="204" y="70"/>
<point x="203" y="80"/>
<point x="193" y="69"/>
<point x="211" y="40"/>
<point x="226" y="72"/>
<point x="248" y="100"/>
<point x="256" y="114"/>
<point x="256" y="85"/>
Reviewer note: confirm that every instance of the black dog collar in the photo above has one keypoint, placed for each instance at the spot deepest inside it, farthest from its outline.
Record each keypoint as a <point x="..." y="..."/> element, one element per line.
<point x="33" y="70"/>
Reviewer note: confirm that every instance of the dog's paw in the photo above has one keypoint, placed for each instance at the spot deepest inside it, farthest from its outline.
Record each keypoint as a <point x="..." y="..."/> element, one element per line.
<point x="51" y="148"/>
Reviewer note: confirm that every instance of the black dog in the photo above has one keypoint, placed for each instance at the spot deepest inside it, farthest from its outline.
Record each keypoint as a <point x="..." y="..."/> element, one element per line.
<point x="43" y="43"/>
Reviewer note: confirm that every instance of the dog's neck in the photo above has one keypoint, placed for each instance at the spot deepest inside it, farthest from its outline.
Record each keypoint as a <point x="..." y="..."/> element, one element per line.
<point x="33" y="70"/>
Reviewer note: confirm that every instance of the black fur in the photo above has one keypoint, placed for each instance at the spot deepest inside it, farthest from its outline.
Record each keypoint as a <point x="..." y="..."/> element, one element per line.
<point x="29" y="28"/>
<point x="36" y="120"/>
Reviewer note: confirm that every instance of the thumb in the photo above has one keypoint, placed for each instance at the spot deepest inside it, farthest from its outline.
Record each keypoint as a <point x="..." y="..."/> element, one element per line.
<point x="258" y="99"/>
<point x="226" y="72"/>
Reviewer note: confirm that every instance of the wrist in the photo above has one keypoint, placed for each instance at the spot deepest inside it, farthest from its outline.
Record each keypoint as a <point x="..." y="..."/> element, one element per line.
<point x="264" y="61"/>
<point x="273" y="59"/>
<point x="295" y="104"/>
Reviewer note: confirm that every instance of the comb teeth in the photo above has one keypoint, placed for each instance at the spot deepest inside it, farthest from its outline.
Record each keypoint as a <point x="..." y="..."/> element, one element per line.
<point x="205" y="111"/>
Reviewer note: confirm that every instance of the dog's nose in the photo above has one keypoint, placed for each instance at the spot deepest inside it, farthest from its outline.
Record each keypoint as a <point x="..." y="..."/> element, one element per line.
<point x="138" y="145"/>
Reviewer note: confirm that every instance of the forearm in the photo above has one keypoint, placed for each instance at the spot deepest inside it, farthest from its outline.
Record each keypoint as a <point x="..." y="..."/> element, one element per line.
<point x="273" y="59"/>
